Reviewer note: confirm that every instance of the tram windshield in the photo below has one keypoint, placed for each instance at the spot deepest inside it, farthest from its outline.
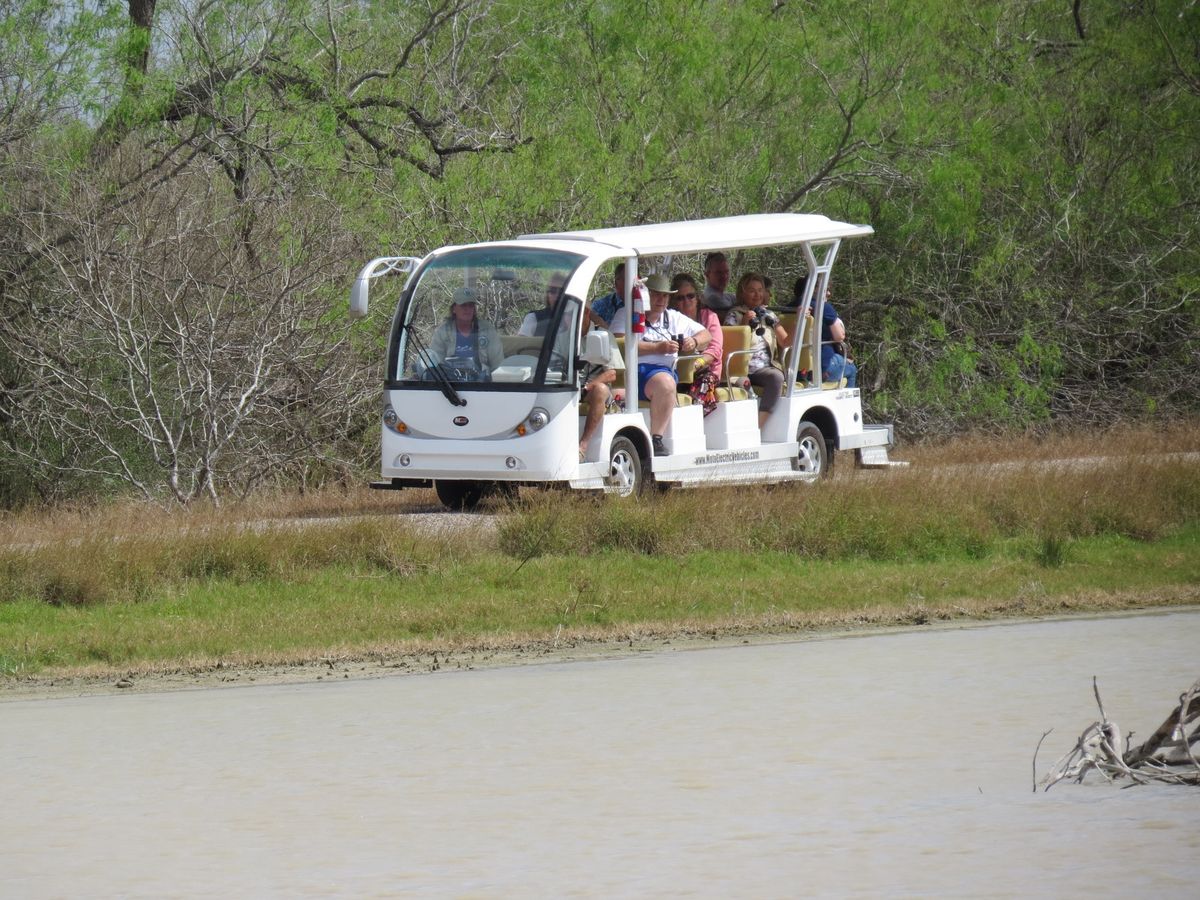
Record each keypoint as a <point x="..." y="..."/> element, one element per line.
<point x="490" y="316"/>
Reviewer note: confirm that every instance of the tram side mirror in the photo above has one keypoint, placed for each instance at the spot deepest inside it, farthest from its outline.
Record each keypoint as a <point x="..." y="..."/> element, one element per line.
<point x="358" y="297"/>
<point x="597" y="348"/>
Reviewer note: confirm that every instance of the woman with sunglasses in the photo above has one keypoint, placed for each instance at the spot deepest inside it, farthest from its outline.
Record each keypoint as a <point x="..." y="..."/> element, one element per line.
<point x="537" y="322"/>
<point x="687" y="301"/>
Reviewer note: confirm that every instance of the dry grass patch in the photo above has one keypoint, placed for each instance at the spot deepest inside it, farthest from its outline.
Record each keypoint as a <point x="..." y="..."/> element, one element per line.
<point x="98" y="570"/>
<point x="1122" y="440"/>
<point x="80" y="522"/>
<point x="915" y="513"/>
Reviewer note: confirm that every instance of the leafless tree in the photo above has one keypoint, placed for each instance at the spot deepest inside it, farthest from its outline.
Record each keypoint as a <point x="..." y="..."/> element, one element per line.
<point x="162" y="355"/>
<point x="169" y="302"/>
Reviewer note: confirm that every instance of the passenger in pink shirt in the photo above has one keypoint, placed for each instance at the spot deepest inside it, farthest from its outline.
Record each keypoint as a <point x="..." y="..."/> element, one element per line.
<point x="687" y="301"/>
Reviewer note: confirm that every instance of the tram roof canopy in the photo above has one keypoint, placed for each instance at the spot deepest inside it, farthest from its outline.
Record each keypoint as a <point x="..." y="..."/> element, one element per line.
<point x="727" y="233"/>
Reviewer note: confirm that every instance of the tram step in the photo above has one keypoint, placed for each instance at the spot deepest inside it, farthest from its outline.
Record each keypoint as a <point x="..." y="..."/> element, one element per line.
<point x="875" y="458"/>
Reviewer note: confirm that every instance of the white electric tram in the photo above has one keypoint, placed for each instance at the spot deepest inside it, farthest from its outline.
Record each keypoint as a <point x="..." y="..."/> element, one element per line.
<point x="477" y="419"/>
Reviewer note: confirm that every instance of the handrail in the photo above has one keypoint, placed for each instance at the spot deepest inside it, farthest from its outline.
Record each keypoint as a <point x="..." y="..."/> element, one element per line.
<point x="750" y="351"/>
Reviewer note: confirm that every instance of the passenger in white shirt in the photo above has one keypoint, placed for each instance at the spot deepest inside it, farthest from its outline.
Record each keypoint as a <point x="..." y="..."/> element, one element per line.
<point x="668" y="333"/>
<point x="537" y="322"/>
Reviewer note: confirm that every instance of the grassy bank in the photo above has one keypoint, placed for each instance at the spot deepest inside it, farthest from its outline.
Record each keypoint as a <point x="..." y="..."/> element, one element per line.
<point x="481" y="603"/>
<point x="965" y="537"/>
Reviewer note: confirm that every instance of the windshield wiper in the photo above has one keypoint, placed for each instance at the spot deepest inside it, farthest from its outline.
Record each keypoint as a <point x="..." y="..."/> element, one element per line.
<point x="436" y="367"/>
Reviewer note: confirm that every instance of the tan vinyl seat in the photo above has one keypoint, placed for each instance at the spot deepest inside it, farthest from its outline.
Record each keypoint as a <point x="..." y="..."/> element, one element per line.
<point x="788" y="320"/>
<point x="521" y="345"/>
<point x="685" y="368"/>
<point x="735" y="363"/>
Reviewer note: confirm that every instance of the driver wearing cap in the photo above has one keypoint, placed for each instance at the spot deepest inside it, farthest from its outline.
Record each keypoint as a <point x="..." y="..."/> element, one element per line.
<point x="462" y="340"/>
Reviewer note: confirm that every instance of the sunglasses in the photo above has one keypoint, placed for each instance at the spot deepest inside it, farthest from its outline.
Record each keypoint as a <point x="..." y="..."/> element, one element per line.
<point x="687" y="296"/>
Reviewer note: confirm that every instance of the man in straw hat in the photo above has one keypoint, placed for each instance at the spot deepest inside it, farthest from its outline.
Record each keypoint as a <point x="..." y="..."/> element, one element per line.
<point x="668" y="333"/>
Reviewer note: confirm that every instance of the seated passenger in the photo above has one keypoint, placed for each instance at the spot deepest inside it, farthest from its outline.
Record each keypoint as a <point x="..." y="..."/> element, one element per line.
<point x="463" y="337"/>
<point x="609" y="311"/>
<point x="594" y="381"/>
<point x="716" y="279"/>
<point x="835" y="362"/>
<point x="537" y="322"/>
<point x="706" y="371"/>
<point x="668" y="333"/>
<point x="798" y="294"/>
<point x="767" y="338"/>
<point x="687" y="301"/>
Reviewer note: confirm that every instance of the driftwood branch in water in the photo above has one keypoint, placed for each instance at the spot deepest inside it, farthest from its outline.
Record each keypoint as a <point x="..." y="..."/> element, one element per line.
<point x="1168" y="740"/>
<point x="1168" y="756"/>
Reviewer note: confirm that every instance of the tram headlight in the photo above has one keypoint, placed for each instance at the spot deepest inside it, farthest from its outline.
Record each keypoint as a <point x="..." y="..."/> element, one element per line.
<point x="392" y="421"/>
<point x="535" y="421"/>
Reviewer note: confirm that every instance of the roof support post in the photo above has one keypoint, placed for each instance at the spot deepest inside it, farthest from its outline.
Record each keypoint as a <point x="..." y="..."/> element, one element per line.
<point x="631" y="339"/>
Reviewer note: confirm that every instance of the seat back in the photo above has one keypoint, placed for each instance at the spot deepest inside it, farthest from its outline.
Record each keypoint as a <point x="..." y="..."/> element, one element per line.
<point x="519" y="344"/>
<point x="620" y="342"/>
<point x="736" y="364"/>
<point x="685" y="368"/>
<point x="803" y="343"/>
<point x="736" y="339"/>
<point x="788" y="321"/>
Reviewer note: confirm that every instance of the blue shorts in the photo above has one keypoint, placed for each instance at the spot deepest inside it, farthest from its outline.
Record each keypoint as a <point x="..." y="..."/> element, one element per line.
<point x="646" y="371"/>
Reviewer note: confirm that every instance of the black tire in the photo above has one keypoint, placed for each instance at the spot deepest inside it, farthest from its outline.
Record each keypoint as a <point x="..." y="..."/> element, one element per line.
<point x="506" y="490"/>
<point x="626" y="472"/>
<point x="830" y="456"/>
<point x="461" y="496"/>
<point x="814" y="457"/>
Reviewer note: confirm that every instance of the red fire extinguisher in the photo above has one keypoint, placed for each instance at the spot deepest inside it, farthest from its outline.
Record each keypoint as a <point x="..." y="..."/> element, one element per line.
<point x="641" y="306"/>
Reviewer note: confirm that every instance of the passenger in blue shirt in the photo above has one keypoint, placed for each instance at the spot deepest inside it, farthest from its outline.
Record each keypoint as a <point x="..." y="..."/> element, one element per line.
<point x="609" y="311"/>
<point x="835" y="365"/>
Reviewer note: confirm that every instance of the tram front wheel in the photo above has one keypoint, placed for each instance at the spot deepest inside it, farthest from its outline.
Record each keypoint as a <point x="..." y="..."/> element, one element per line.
<point x="461" y="496"/>
<point x="625" y="476"/>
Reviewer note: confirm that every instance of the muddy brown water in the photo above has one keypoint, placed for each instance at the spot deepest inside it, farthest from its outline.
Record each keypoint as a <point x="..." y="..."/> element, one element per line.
<point x="896" y="763"/>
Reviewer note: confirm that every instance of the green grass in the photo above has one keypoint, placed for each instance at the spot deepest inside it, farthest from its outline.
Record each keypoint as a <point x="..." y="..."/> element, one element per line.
<point x="904" y="546"/>
<point x="343" y="611"/>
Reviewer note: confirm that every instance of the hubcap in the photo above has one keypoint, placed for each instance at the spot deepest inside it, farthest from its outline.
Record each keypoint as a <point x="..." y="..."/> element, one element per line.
<point x="621" y="473"/>
<point x="809" y="457"/>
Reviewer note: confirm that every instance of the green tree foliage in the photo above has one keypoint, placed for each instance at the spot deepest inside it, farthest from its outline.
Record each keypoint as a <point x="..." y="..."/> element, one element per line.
<point x="1048" y="217"/>
<point x="1031" y="170"/>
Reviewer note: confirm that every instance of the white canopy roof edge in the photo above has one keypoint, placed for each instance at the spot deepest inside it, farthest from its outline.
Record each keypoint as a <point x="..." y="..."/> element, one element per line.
<point x="727" y="233"/>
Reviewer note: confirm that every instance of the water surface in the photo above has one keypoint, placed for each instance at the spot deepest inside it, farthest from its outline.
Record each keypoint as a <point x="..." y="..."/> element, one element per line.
<point x="894" y="764"/>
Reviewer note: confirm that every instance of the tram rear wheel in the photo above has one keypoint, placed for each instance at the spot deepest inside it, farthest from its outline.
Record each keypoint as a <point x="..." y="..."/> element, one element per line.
<point x="814" y="457"/>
